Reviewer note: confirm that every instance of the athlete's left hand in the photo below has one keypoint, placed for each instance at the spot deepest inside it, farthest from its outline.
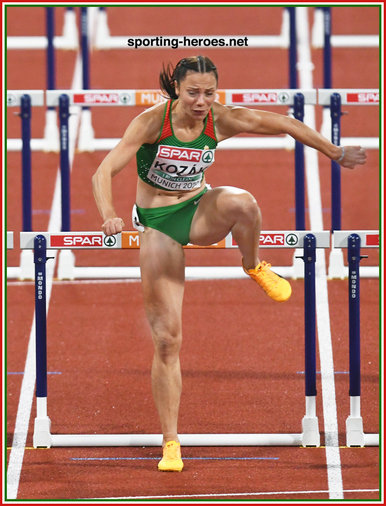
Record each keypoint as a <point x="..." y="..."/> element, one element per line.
<point x="353" y="155"/>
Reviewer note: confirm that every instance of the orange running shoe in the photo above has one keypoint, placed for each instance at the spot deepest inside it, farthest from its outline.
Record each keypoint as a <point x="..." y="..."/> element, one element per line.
<point x="171" y="460"/>
<point x="274" y="285"/>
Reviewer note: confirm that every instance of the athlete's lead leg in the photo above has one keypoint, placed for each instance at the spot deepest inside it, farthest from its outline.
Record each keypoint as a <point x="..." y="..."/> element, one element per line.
<point x="163" y="274"/>
<point x="226" y="209"/>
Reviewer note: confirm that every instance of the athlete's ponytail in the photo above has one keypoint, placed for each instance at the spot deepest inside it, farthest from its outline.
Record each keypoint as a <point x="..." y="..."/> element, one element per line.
<point x="169" y="75"/>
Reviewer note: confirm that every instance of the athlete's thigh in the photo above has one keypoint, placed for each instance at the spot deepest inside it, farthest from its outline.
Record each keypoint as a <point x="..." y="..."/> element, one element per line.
<point x="162" y="263"/>
<point x="215" y="215"/>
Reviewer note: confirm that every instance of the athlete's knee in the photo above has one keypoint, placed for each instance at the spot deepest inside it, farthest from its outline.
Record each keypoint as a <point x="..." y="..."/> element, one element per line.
<point x="243" y="206"/>
<point x="167" y="341"/>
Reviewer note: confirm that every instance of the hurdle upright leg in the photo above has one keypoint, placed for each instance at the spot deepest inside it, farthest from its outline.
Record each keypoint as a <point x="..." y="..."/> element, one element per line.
<point x="354" y="423"/>
<point x="310" y="425"/>
<point x="42" y="427"/>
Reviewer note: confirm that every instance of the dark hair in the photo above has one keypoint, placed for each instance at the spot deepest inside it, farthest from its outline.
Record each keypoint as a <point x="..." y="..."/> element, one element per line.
<point x="169" y="75"/>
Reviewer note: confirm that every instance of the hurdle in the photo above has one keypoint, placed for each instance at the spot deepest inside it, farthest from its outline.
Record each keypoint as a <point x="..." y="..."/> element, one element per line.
<point x="333" y="99"/>
<point x="25" y="100"/>
<point x="40" y="243"/>
<point x="322" y="29"/>
<point x="354" y="241"/>
<point x="68" y="39"/>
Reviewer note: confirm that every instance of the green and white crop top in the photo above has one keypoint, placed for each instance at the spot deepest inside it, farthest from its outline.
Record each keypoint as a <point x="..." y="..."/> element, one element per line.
<point x="170" y="164"/>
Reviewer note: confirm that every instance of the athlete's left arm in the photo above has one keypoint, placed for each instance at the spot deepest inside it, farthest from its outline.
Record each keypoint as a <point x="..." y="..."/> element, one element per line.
<point x="232" y="121"/>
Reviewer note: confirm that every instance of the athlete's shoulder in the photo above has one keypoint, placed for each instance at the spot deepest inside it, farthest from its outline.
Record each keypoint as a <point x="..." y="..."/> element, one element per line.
<point x="150" y="121"/>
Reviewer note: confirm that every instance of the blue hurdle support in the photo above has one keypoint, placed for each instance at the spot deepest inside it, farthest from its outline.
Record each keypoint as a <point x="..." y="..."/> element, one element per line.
<point x="336" y="211"/>
<point x="354" y="422"/>
<point x="64" y="114"/>
<point x="300" y="214"/>
<point x="311" y="436"/>
<point x="354" y="241"/>
<point x="25" y="114"/>
<point x="42" y="425"/>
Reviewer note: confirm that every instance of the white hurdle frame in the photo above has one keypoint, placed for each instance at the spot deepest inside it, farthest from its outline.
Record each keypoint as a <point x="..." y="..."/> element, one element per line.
<point x="68" y="39"/>
<point x="43" y="437"/>
<point x="147" y="98"/>
<point x="349" y="97"/>
<point x="347" y="41"/>
<point x="354" y="422"/>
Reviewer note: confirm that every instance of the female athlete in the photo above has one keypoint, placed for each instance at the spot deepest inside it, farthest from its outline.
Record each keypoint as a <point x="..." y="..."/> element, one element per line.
<point x="174" y="143"/>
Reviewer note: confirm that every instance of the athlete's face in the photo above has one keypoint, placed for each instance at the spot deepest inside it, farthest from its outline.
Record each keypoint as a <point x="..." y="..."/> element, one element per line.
<point x="197" y="93"/>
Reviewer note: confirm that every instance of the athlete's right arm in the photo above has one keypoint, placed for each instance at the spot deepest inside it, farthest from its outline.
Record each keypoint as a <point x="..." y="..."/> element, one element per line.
<point x="143" y="129"/>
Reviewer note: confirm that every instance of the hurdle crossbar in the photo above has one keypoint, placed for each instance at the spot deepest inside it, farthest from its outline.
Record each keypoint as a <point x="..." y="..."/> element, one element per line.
<point x="42" y="437"/>
<point x="130" y="240"/>
<point x="70" y="242"/>
<point x="354" y="241"/>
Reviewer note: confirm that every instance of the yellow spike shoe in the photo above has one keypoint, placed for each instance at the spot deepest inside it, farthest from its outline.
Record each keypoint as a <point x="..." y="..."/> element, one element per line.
<point x="171" y="460"/>
<point x="274" y="285"/>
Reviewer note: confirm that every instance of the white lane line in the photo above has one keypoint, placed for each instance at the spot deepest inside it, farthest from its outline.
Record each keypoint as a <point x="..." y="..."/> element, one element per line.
<point x="334" y="469"/>
<point x="232" y="494"/>
<point x="28" y="383"/>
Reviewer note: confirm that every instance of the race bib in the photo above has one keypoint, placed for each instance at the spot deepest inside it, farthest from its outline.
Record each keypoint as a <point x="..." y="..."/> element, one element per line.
<point x="176" y="168"/>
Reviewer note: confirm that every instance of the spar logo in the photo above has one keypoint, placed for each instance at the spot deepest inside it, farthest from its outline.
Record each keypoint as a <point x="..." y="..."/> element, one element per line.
<point x="207" y="156"/>
<point x="101" y="98"/>
<point x="183" y="154"/>
<point x="278" y="239"/>
<point x="255" y="98"/>
<point x="77" y="241"/>
<point x="272" y="240"/>
<point x="363" y="98"/>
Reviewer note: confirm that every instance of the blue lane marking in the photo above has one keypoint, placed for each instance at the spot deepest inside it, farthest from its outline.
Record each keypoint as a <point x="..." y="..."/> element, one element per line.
<point x="48" y="211"/>
<point x="318" y="372"/>
<point x="22" y="372"/>
<point x="184" y="458"/>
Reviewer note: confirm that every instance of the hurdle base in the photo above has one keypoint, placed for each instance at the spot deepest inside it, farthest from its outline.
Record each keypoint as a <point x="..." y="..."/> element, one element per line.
<point x="42" y="437"/>
<point x="67" y="440"/>
<point x="310" y="435"/>
<point x="371" y="439"/>
<point x="354" y="431"/>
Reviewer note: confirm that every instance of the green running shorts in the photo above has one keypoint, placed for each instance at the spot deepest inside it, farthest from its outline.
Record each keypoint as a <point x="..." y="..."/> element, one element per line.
<point x="174" y="221"/>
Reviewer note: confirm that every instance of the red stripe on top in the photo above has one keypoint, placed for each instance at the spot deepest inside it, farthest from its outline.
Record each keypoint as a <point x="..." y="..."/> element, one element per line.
<point x="166" y="127"/>
<point x="209" y="130"/>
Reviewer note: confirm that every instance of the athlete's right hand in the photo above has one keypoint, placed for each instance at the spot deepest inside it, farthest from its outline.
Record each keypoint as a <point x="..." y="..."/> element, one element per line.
<point x="113" y="226"/>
